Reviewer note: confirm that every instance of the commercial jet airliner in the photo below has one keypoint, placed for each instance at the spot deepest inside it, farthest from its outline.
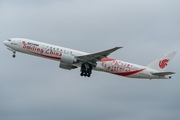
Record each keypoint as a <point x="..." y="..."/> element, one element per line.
<point x="70" y="59"/>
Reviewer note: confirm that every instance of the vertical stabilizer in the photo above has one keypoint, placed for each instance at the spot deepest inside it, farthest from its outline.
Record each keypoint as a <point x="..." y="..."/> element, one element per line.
<point x="161" y="64"/>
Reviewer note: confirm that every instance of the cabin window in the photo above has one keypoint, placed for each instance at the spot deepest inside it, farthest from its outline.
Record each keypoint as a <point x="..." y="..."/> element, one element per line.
<point x="65" y="51"/>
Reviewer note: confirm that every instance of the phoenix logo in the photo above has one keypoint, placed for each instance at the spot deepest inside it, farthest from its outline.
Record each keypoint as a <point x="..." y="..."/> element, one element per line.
<point x="163" y="63"/>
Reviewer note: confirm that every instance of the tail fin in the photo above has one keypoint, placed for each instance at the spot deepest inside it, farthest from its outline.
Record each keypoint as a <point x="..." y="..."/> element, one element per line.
<point x="161" y="64"/>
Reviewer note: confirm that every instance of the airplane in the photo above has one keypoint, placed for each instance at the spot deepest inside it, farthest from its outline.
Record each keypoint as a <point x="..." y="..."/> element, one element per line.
<point x="70" y="59"/>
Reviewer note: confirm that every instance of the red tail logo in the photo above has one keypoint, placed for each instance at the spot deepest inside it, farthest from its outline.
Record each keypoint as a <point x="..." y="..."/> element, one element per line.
<point x="163" y="63"/>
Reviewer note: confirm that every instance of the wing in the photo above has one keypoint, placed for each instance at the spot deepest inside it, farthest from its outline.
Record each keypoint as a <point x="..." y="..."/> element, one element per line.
<point x="93" y="58"/>
<point x="163" y="73"/>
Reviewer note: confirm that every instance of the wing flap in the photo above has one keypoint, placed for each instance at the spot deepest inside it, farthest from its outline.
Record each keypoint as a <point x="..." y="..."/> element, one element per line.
<point x="163" y="73"/>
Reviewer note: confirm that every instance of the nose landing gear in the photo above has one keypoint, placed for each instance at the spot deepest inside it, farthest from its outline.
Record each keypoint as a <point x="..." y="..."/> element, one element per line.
<point x="86" y="70"/>
<point x="14" y="54"/>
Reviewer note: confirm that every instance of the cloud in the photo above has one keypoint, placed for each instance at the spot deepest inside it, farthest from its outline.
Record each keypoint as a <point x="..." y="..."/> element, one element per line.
<point x="35" y="88"/>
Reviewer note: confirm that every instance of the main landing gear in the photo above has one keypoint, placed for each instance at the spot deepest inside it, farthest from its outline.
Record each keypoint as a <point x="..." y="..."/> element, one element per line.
<point x="86" y="70"/>
<point x="14" y="54"/>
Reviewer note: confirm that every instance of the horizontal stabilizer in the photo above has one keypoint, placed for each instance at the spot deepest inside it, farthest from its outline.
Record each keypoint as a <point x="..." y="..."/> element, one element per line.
<point x="163" y="73"/>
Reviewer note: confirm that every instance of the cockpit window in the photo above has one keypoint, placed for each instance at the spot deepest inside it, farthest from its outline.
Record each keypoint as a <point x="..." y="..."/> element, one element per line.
<point x="9" y="40"/>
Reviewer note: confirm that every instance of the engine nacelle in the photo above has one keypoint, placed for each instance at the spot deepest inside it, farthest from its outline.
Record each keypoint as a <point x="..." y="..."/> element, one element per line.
<point x="66" y="66"/>
<point x="67" y="61"/>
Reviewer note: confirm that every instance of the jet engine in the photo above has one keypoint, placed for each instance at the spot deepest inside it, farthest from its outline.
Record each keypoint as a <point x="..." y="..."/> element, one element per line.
<point x="67" y="61"/>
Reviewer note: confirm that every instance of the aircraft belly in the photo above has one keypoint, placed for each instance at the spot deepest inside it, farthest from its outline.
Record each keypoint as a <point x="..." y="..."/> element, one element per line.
<point x="140" y="75"/>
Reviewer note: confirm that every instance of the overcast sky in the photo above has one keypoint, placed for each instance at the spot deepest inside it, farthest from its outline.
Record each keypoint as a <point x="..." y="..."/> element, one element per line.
<point x="33" y="88"/>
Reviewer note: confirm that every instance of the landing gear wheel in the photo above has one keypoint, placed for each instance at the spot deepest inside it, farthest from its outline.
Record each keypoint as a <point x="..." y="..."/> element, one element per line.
<point x="81" y="74"/>
<point x="13" y="56"/>
<point x="89" y="75"/>
<point x="85" y="74"/>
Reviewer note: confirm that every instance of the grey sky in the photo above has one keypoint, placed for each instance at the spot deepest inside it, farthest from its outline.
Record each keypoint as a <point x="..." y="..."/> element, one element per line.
<point x="35" y="88"/>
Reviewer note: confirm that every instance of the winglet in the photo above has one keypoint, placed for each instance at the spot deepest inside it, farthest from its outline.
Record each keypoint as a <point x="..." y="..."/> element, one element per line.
<point x="107" y="52"/>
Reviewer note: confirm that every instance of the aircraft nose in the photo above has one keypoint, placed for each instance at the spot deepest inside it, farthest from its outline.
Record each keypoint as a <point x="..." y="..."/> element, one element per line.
<point x="5" y="42"/>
